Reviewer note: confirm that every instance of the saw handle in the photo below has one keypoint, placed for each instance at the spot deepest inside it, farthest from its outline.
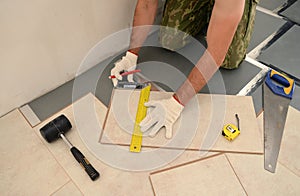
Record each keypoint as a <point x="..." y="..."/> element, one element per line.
<point x="90" y="170"/>
<point x="287" y="88"/>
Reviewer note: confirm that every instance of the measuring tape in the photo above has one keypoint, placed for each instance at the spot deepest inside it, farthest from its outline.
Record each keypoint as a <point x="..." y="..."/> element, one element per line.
<point x="137" y="135"/>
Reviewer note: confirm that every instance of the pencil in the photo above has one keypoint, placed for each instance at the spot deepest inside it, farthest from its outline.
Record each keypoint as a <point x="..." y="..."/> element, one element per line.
<point x="126" y="73"/>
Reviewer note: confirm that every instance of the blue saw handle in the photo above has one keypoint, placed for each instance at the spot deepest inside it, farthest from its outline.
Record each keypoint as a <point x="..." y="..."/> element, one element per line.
<point x="288" y="85"/>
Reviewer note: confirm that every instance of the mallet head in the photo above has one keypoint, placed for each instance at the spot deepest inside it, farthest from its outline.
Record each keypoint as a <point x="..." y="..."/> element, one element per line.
<point x="52" y="130"/>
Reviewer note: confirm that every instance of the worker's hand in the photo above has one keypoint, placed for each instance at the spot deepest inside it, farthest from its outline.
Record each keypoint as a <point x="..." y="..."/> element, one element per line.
<point x="165" y="113"/>
<point x="127" y="63"/>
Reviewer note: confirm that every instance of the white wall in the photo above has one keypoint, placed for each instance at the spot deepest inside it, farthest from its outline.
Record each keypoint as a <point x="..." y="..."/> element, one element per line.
<point x="42" y="42"/>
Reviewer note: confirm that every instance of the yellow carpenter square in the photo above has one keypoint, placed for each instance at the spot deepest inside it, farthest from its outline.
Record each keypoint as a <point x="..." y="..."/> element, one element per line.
<point x="137" y="135"/>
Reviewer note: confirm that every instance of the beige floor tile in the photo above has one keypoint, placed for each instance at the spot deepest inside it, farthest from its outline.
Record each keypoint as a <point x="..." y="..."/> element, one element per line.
<point x="117" y="129"/>
<point x="289" y="154"/>
<point x="112" y="181"/>
<point x="189" y="156"/>
<point x="68" y="189"/>
<point x="290" y="148"/>
<point x="30" y="116"/>
<point x="212" y="176"/>
<point x="27" y="167"/>
<point x="257" y="181"/>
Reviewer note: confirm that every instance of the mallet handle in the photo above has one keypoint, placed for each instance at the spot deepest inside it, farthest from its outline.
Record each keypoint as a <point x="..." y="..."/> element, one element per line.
<point x="66" y="140"/>
<point x="90" y="170"/>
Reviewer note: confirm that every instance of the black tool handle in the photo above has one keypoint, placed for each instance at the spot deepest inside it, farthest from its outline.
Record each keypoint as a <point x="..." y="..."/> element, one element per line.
<point x="90" y="170"/>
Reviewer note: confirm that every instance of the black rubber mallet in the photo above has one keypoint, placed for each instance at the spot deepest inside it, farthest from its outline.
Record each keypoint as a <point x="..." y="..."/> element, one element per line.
<point x="55" y="129"/>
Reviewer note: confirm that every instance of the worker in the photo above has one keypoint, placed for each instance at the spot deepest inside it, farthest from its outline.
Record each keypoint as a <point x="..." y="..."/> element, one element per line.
<point x="229" y="25"/>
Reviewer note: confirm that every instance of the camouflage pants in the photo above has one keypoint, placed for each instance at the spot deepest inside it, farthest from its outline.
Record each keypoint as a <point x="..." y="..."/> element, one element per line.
<point x="184" y="18"/>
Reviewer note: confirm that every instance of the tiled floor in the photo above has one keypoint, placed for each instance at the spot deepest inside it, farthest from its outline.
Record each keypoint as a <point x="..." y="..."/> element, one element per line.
<point x="31" y="166"/>
<point x="27" y="166"/>
<point x="34" y="167"/>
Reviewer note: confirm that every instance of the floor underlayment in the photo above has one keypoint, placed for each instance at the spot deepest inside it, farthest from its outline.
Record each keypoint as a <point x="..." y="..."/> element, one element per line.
<point x="292" y="12"/>
<point x="288" y="47"/>
<point x="265" y="26"/>
<point x="272" y="4"/>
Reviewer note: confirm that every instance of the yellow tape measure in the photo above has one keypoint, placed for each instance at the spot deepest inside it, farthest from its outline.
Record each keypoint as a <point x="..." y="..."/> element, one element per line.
<point x="137" y="135"/>
<point x="230" y="131"/>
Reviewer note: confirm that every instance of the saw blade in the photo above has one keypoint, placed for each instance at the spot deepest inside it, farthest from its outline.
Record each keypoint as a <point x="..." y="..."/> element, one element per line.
<point x="275" y="111"/>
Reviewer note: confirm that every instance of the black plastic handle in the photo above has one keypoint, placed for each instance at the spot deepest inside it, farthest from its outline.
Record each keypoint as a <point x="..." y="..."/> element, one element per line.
<point x="90" y="170"/>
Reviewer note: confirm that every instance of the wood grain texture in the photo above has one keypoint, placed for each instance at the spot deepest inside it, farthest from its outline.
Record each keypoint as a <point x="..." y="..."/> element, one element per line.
<point x="205" y="115"/>
<point x="212" y="176"/>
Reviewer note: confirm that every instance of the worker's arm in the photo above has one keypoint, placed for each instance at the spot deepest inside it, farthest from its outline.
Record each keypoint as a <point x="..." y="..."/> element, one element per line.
<point x="225" y="18"/>
<point x="144" y="14"/>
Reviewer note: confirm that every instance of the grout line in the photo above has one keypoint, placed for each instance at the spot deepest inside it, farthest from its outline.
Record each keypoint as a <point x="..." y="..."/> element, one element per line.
<point x="278" y="34"/>
<point x="60" y="187"/>
<point x="236" y="174"/>
<point x="6" y="113"/>
<point x="152" y="187"/>
<point x="265" y="44"/>
<point x="269" y="12"/>
<point x="256" y="63"/>
<point x="47" y="148"/>
<point x="288" y="168"/>
<point x="76" y="186"/>
<point x="259" y="113"/>
<point x="184" y="164"/>
<point x="54" y="157"/>
<point x="253" y="84"/>
<point x="255" y="52"/>
<point x="70" y="178"/>
<point x="284" y="6"/>
<point x="106" y="117"/>
<point x="186" y="149"/>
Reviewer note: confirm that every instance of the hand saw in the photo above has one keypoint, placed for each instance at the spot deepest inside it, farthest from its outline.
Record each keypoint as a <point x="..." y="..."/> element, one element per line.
<point x="278" y="92"/>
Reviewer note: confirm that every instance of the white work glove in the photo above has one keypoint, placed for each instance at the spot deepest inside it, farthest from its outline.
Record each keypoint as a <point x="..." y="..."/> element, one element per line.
<point x="165" y="113"/>
<point x="127" y="63"/>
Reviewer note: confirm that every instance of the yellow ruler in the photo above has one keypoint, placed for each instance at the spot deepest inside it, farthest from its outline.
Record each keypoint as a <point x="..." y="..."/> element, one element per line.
<point x="137" y="135"/>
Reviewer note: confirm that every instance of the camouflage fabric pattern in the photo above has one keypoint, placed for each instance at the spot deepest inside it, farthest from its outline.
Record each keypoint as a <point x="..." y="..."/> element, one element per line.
<point x="184" y="18"/>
